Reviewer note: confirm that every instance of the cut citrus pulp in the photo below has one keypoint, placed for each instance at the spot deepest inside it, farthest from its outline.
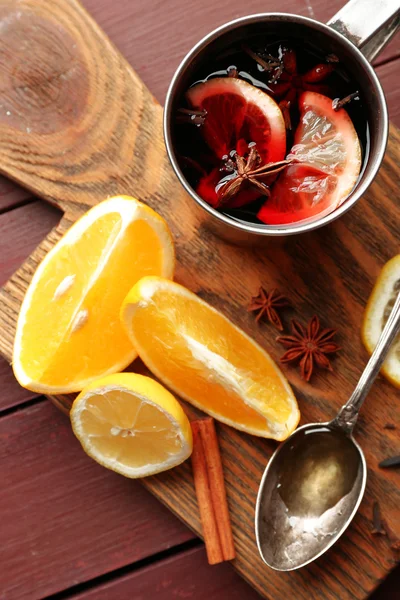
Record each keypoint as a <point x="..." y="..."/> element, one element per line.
<point x="378" y="309"/>
<point x="207" y="360"/>
<point x="68" y="330"/>
<point x="132" y="425"/>
<point x="239" y="113"/>
<point x="329" y="161"/>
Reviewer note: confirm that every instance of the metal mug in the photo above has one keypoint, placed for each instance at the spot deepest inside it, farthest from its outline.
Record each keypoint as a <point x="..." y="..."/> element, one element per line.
<point x="356" y="34"/>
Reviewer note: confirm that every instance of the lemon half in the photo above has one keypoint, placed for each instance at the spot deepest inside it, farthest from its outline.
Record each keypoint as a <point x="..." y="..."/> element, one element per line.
<point x="132" y="425"/>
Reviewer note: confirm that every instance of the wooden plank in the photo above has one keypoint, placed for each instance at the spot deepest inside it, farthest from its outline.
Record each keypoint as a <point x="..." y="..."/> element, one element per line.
<point x="11" y="393"/>
<point x="186" y="576"/>
<point x="154" y="46"/>
<point x="65" y="519"/>
<point x="189" y="576"/>
<point x="389" y="76"/>
<point x="351" y="250"/>
<point x="21" y="230"/>
<point x="156" y="61"/>
<point x="11" y="194"/>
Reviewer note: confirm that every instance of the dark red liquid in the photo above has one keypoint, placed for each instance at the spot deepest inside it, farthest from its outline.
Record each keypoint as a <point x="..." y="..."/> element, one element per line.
<point x="190" y="146"/>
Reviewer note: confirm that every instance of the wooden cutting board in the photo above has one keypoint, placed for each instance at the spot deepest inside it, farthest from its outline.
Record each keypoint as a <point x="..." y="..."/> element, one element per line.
<point x="76" y="126"/>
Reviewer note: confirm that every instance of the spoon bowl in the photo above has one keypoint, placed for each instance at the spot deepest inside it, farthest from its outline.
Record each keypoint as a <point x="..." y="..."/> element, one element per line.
<point x="315" y="481"/>
<point x="308" y="495"/>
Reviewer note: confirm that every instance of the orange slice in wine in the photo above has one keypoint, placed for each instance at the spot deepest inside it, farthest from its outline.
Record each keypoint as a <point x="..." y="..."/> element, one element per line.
<point x="239" y="113"/>
<point x="327" y="163"/>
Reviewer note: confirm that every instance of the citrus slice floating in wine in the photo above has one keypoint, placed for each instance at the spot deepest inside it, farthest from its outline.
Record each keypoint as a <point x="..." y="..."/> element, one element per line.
<point x="327" y="163"/>
<point x="237" y="114"/>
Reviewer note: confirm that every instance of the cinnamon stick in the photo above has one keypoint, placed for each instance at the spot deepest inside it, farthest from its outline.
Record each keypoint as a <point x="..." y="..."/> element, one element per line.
<point x="211" y="493"/>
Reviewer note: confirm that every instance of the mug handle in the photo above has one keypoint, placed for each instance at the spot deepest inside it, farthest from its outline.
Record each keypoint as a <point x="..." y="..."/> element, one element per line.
<point x="369" y="24"/>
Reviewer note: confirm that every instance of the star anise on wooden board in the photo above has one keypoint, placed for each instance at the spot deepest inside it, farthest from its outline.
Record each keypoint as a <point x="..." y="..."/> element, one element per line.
<point x="309" y="345"/>
<point x="268" y="304"/>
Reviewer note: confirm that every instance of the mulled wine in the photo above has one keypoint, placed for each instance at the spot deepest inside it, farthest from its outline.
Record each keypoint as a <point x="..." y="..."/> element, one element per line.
<point x="272" y="133"/>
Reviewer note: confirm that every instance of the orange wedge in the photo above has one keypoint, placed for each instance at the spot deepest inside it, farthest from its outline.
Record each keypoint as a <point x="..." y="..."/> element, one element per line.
<point x="68" y="331"/>
<point x="207" y="360"/>
<point x="237" y="113"/>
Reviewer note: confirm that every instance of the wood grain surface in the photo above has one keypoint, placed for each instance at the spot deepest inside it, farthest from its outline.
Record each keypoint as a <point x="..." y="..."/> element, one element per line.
<point x="63" y="506"/>
<point x="10" y="195"/>
<point x="12" y="394"/>
<point x="187" y="577"/>
<point x="388" y="75"/>
<point x="17" y="237"/>
<point x="112" y="143"/>
<point x="154" y="39"/>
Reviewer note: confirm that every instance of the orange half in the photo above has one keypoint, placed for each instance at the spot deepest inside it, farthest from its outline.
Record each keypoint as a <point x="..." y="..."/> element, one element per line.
<point x="68" y="332"/>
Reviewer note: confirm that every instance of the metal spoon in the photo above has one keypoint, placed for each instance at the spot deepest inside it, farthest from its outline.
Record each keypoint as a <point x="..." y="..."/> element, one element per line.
<point x="314" y="482"/>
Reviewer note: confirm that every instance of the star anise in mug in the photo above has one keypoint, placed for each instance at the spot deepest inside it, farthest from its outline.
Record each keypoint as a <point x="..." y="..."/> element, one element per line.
<point x="240" y="179"/>
<point x="287" y="83"/>
<point x="247" y="172"/>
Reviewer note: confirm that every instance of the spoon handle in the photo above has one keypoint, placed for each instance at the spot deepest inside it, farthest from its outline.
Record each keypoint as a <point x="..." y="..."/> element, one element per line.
<point x="348" y="414"/>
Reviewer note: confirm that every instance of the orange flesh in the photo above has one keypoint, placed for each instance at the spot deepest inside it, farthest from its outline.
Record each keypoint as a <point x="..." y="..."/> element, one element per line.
<point x="203" y="357"/>
<point x="86" y="346"/>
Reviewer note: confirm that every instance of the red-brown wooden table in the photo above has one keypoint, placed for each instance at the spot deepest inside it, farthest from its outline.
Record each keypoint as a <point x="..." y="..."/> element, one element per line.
<point x="69" y="528"/>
